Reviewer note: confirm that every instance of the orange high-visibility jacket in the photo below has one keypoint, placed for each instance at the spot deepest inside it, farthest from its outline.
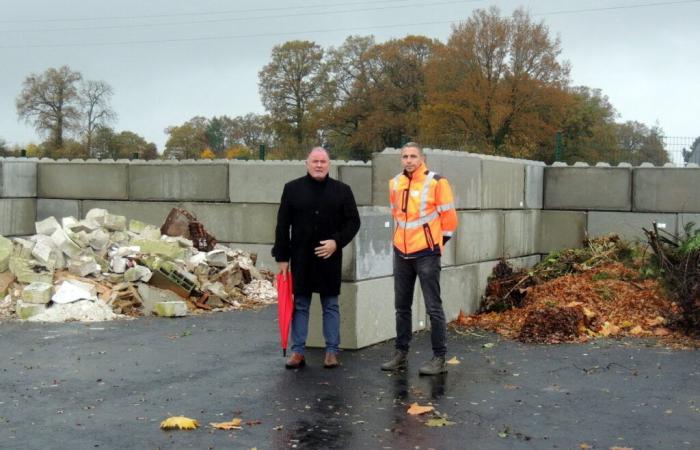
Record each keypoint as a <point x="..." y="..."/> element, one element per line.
<point x="424" y="212"/>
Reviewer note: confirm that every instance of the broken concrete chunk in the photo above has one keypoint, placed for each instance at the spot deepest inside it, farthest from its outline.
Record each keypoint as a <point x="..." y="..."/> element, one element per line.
<point x="97" y="215"/>
<point x="138" y="273"/>
<point x="150" y="233"/>
<point x="74" y="290"/>
<point x="217" y="258"/>
<point x="216" y="288"/>
<point x="151" y="295"/>
<point x="68" y="222"/>
<point x="114" y="222"/>
<point x="195" y="260"/>
<point x="27" y="271"/>
<point x="171" y="309"/>
<point x="83" y="266"/>
<point x="37" y="293"/>
<point x="47" y="226"/>
<point x="63" y="242"/>
<point x="98" y="239"/>
<point x="26" y="310"/>
<point x="137" y="226"/>
<point x="118" y="264"/>
<point x="160" y="247"/>
<point x="43" y="247"/>
<point x="6" y="248"/>
<point x="23" y="248"/>
<point x="87" y="226"/>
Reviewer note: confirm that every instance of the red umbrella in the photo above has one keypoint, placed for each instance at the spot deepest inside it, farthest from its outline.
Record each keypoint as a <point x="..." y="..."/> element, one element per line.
<point x="285" y="306"/>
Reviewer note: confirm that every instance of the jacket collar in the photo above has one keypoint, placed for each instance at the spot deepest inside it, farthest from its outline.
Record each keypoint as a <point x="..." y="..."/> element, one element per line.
<point x="418" y="174"/>
<point x="314" y="180"/>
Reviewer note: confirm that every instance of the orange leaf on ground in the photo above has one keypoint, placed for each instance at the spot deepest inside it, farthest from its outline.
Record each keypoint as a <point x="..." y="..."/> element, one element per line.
<point x="417" y="409"/>
<point x="234" y="424"/>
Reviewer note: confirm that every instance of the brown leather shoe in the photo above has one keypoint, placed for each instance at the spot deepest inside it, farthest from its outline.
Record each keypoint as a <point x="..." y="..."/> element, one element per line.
<point x="295" y="361"/>
<point x="331" y="361"/>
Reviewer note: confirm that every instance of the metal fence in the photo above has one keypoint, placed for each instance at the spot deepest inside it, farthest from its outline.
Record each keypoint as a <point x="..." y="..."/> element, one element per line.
<point x="679" y="148"/>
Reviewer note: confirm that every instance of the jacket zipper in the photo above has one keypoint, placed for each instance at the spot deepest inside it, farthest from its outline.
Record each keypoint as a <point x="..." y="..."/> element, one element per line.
<point x="405" y="211"/>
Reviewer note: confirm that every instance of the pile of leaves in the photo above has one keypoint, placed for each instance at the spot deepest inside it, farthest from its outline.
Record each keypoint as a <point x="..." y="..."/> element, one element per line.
<point x="603" y="289"/>
<point x="677" y="261"/>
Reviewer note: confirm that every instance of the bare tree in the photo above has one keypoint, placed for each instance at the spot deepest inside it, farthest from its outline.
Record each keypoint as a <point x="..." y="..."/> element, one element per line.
<point x="95" y="99"/>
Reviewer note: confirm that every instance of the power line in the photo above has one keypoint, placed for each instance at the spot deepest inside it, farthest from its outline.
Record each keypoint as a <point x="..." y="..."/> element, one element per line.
<point x="206" y="13"/>
<point x="239" y="19"/>
<point x="332" y="30"/>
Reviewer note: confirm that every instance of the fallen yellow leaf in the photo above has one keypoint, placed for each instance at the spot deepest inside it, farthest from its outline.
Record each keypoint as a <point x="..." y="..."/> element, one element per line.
<point x="584" y="445"/>
<point x="416" y="409"/>
<point x="181" y="422"/>
<point x="637" y="330"/>
<point x="234" y="424"/>
<point x="609" y="329"/>
<point x="452" y="360"/>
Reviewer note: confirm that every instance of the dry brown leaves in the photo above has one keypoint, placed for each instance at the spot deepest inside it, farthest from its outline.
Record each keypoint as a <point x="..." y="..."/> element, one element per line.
<point x="606" y="301"/>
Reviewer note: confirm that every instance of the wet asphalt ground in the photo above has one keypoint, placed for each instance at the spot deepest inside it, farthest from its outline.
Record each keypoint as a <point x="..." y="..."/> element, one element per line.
<point x="109" y="385"/>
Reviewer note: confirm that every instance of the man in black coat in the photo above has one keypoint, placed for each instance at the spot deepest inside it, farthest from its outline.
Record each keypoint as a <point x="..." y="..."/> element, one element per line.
<point x="322" y="216"/>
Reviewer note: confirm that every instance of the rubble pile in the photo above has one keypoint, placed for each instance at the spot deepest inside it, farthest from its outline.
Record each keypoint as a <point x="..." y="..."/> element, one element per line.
<point x="573" y="296"/>
<point x="104" y="267"/>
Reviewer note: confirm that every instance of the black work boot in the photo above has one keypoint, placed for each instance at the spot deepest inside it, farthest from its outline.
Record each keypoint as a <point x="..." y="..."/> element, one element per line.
<point x="397" y="362"/>
<point x="435" y="366"/>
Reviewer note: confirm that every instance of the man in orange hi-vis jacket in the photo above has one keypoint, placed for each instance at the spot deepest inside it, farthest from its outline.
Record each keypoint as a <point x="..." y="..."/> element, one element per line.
<point x="425" y="219"/>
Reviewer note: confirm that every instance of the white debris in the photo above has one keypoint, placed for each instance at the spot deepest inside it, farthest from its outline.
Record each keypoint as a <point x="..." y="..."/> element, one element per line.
<point x="68" y="222"/>
<point x="261" y="290"/>
<point x="72" y="290"/>
<point x="114" y="222"/>
<point x="63" y="242"/>
<point x="138" y="273"/>
<point x="43" y="247"/>
<point x="99" y="239"/>
<point x="97" y="215"/>
<point x="47" y="226"/>
<point x="118" y="264"/>
<point x="83" y="266"/>
<point x="82" y="311"/>
<point x="37" y="292"/>
<point x="217" y="258"/>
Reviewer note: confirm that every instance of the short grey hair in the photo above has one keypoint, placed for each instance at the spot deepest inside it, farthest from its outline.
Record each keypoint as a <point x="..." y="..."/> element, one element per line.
<point x="413" y="145"/>
<point x="318" y="149"/>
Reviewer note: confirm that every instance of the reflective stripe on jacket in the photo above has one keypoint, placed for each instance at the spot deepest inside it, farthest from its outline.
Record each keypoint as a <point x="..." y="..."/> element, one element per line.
<point x="424" y="214"/>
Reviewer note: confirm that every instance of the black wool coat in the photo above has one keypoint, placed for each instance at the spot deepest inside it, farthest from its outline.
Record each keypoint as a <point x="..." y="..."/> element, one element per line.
<point x="312" y="211"/>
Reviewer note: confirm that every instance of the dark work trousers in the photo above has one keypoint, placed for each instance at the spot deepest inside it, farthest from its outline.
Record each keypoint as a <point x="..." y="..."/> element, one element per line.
<point x="427" y="268"/>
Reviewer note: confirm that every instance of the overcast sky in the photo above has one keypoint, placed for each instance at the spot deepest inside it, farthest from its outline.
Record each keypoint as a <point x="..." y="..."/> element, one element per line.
<point x="171" y="60"/>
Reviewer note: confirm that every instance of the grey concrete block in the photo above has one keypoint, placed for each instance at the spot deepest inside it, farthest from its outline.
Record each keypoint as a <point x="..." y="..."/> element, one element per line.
<point x="462" y="170"/>
<point x="359" y="177"/>
<point x="449" y="253"/>
<point x="560" y="230"/>
<point x="657" y="189"/>
<point x="502" y="183"/>
<point x="153" y="213"/>
<point x="237" y="222"/>
<point x="628" y="225"/>
<point x="479" y="236"/>
<point x="524" y="262"/>
<point x="521" y="232"/>
<point x="588" y="188"/>
<point x="370" y="254"/>
<point x="17" y="216"/>
<point x="385" y="166"/>
<point x="17" y="177"/>
<point x="81" y="180"/>
<point x="534" y="185"/>
<point x="47" y="207"/>
<point x="367" y="314"/>
<point x="263" y="181"/>
<point x="179" y="181"/>
<point x="265" y="259"/>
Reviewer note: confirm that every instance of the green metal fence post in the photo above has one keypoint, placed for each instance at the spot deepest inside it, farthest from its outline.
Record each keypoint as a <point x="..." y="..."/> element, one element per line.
<point x="261" y="152"/>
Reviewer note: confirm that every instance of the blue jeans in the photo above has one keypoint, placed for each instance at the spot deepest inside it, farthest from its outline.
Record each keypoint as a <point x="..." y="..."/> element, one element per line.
<point x="331" y="322"/>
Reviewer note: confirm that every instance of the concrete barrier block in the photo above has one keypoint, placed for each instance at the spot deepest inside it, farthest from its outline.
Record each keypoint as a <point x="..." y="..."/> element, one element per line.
<point x="659" y="189"/>
<point x="366" y="314"/>
<point x="462" y="170"/>
<point x="628" y="225"/>
<point x="47" y="207"/>
<point x="502" y="183"/>
<point x="263" y="181"/>
<point x="370" y="254"/>
<point x="524" y="262"/>
<point x="588" y="188"/>
<point x="359" y="177"/>
<point x="237" y="222"/>
<point x="479" y="236"/>
<point x="206" y="181"/>
<point x="521" y="231"/>
<point x="17" y="177"/>
<point x="458" y="290"/>
<point x="152" y="213"/>
<point x="449" y="253"/>
<point x="560" y="230"/>
<point x="385" y="166"/>
<point x="81" y="180"/>
<point x="265" y="259"/>
<point x="17" y="216"/>
<point x="534" y="185"/>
